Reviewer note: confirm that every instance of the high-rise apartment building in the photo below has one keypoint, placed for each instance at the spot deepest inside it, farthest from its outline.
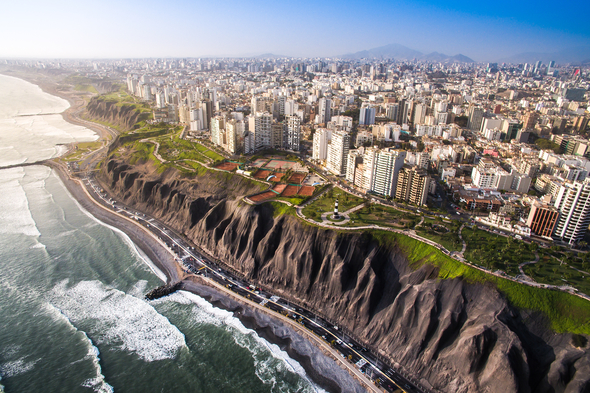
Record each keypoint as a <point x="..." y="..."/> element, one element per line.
<point x="542" y="219"/>
<point x="412" y="185"/>
<point x="391" y="111"/>
<point x="529" y="120"/>
<point x="276" y="136"/>
<point x="419" y="114"/>
<point x="386" y="169"/>
<point x="260" y="125"/>
<point x="367" y="115"/>
<point x="475" y="118"/>
<point x="573" y="203"/>
<point x="355" y="160"/>
<point x="235" y="130"/>
<point x="292" y="132"/>
<point x="217" y="129"/>
<point x="369" y="159"/>
<point x="321" y="141"/>
<point x="324" y="114"/>
<point x="338" y="153"/>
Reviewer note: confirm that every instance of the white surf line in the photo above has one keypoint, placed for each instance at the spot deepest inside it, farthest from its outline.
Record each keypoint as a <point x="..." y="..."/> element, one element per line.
<point x="164" y="230"/>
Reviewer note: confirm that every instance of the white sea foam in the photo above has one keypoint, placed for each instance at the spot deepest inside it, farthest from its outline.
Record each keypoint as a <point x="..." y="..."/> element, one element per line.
<point x="132" y="246"/>
<point x="16" y="367"/>
<point x="139" y="288"/>
<point x="37" y="135"/>
<point x="15" y="215"/>
<point x="266" y="367"/>
<point x="121" y="320"/>
<point x="97" y="383"/>
<point x="38" y="245"/>
<point x="10" y="351"/>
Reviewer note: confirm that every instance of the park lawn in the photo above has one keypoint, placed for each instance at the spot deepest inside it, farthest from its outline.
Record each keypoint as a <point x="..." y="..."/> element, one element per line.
<point x="85" y="87"/>
<point x="383" y="215"/>
<point x="280" y="209"/>
<point x="143" y="151"/>
<point x="89" y="145"/>
<point x="449" y="240"/>
<point x="325" y="203"/>
<point x="295" y="200"/>
<point x="214" y="156"/>
<point x="208" y="152"/>
<point x="565" y="312"/>
<point x="173" y="149"/>
<point x="495" y="252"/>
<point x="550" y="271"/>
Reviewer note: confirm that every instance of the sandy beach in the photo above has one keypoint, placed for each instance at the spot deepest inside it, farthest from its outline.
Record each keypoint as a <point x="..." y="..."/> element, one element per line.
<point x="322" y="364"/>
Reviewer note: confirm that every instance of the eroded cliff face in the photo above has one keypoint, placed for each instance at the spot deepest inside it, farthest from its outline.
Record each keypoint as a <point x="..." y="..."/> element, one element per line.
<point x="456" y="337"/>
<point x="123" y="116"/>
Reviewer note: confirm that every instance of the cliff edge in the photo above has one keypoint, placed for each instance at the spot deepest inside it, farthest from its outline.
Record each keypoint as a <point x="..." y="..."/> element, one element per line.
<point x="453" y="335"/>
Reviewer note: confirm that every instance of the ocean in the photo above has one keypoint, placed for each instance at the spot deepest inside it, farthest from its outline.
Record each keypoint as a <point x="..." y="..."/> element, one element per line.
<point x="72" y="313"/>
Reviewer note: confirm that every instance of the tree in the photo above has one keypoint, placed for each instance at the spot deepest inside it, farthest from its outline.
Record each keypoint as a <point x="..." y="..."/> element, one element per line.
<point x="546" y="144"/>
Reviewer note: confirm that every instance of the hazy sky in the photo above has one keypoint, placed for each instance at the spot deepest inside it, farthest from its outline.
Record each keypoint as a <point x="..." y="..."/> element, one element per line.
<point x="482" y="30"/>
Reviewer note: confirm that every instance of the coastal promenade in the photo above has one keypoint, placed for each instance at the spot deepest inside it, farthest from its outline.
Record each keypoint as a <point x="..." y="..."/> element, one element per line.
<point x="366" y="368"/>
<point x="181" y="263"/>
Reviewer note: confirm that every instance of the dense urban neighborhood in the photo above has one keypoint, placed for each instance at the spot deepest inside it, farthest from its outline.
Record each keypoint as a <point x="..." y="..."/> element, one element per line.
<point x="485" y="165"/>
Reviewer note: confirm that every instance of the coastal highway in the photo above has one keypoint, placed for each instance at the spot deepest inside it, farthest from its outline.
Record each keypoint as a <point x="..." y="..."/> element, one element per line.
<point x="195" y="262"/>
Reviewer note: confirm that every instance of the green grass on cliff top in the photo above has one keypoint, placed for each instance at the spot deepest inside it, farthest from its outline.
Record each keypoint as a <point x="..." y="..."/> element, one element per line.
<point x="566" y="313"/>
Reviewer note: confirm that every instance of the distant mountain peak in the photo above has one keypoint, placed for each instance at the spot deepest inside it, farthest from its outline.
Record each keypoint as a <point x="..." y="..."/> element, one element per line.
<point x="395" y="51"/>
<point x="269" y="56"/>
<point x="401" y="52"/>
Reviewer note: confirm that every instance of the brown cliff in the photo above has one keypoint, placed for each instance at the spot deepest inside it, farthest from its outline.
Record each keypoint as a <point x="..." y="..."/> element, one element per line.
<point x="458" y="337"/>
<point x="123" y="116"/>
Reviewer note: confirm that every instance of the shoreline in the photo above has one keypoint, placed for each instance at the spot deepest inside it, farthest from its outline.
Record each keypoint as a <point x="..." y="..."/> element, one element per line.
<point x="317" y="359"/>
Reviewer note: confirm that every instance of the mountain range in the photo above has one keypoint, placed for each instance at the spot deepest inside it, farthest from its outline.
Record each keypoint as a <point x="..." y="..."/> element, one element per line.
<point x="579" y="54"/>
<point x="400" y="52"/>
<point x="573" y="55"/>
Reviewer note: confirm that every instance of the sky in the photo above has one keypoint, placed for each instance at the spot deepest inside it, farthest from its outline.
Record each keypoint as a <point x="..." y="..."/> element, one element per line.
<point x="482" y="30"/>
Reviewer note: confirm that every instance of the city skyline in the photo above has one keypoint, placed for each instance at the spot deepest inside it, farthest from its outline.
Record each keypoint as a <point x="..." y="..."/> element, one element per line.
<point x="131" y="29"/>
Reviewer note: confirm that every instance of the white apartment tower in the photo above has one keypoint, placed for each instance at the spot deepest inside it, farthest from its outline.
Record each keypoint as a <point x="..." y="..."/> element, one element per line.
<point x="217" y="127"/>
<point x="367" y="115"/>
<point x="292" y="132"/>
<point x="338" y="153"/>
<point x="324" y="114"/>
<point x="573" y="203"/>
<point x="369" y="159"/>
<point x="386" y="169"/>
<point x="321" y="141"/>
<point x="260" y="125"/>
<point x="235" y="130"/>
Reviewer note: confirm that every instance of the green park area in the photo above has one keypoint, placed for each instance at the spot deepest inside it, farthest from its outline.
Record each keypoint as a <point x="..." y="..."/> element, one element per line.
<point x="565" y="312"/>
<point x="375" y="214"/>
<point x="325" y="203"/>
<point x="444" y="232"/>
<point x="82" y="149"/>
<point x="496" y="252"/>
<point x="559" y="266"/>
<point x="122" y="98"/>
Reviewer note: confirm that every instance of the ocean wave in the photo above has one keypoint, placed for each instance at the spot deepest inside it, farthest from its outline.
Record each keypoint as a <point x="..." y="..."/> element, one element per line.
<point x="118" y="319"/>
<point x="16" y="367"/>
<point x="15" y="216"/>
<point x="98" y="382"/>
<point x="140" y="255"/>
<point x="266" y="367"/>
<point x="38" y="244"/>
<point x="139" y="289"/>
